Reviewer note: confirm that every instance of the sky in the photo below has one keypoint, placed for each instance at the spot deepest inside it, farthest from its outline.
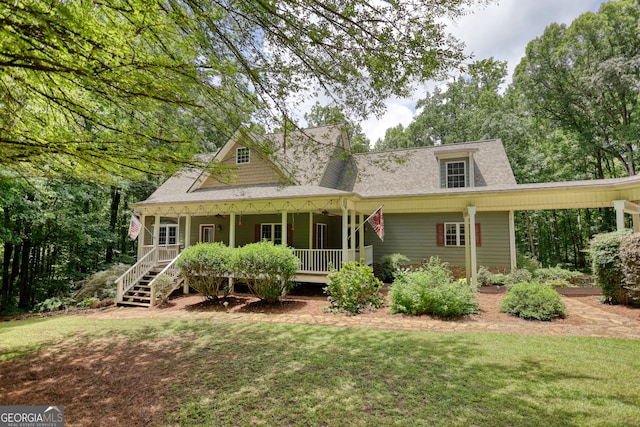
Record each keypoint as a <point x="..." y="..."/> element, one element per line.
<point x="501" y="31"/>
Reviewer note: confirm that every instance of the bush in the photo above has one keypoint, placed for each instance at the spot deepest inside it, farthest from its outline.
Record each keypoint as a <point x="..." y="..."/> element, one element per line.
<point x="630" y="259"/>
<point x="88" y="302"/>
<point x="391" y="265"/>
<point x="430" y="291"/>
<point x="101" y="285"/>
<point x="267" y="269"/>
<point x="556" y="274"/>
<point x="164" y="286"/>
<point x="607" y="266"/>
<point x="206" y="267"/>
<point x="353" y="289"/>
<point x="485" y="277"/>
<point x="533" y="300"/>
<point x="517" y="276"/>
<point x="54" y="304"/>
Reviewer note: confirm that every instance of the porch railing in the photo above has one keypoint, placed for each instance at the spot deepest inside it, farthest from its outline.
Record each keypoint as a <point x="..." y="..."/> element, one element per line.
<point x="164" y="253"/>
<point x="319" y="260"/>
<point x="135" y="273"/>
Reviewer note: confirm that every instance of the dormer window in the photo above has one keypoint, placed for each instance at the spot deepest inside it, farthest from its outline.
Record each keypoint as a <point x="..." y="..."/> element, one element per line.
<point x="456" y="174"/>
<point x="456" y="167"/>
<point x="242" y="155"/>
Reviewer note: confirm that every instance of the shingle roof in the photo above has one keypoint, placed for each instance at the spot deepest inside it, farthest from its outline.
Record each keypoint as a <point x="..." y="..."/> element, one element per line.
<point x="376" y="174"/>
<point x="415" y="171"/>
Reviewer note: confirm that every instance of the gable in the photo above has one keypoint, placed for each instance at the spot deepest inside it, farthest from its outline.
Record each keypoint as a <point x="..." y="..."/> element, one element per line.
<point x="257" y="170"/>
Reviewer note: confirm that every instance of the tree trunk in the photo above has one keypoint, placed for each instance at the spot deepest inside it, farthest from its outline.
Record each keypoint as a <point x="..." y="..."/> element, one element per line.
<point x="113" y="222"/>
<point x="532" y="246"/>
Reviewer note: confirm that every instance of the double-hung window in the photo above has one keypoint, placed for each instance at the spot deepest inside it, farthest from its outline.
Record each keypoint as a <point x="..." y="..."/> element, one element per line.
<point x="456" y="174"/>
<point x="454" y="234"/>
<point x="167" y="234"/>
<point x="271" y="232"/>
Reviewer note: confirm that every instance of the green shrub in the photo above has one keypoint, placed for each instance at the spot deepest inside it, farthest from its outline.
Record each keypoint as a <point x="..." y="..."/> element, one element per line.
<point x="164" y="286"/>
<point x="485" y="277"/>
<point x="527" y="262"/>
<point x="54" y="304"/>
<point x="353" y="289"/>
<point x="88" y="302"/>
<point x="100" y="285"/>
<point x="206" y="267"/>
<point x="556" y="273"/>
<point x="392" y="264"/>
<point x="630" y="260"/>
<point x="517" y="276"/>
<point x="430" y="291"/>
<point x="267" y="269"/>
<point x="533" y="300"/>
<point x="606" y="265"/>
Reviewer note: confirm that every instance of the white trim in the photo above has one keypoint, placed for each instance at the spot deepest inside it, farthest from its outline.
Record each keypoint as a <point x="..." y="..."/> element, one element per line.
<point x="213" y="233"/>
<point x="464" y="174"/>
<point x="459" y="235"/>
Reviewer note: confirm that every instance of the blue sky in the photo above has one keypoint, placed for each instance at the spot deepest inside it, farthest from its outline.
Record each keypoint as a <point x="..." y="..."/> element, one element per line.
<point x="501" y="31"/>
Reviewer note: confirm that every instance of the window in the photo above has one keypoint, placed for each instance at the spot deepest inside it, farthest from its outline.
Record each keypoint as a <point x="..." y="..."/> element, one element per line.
<point x="271" y="232"/>
<point x="454" y="234"/>
<point x="168" y="234"/>
<point x="242" y="155"/>
<point x="207" y="233"/>
<point x="456" y="174"/>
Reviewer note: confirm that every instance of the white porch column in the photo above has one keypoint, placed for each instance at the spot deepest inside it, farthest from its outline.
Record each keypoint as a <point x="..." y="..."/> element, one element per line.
<point x="512" y="242"/>
<point x="232" y="230"/>
<point x="361" y="235"/>
<point x="187" y="231"/>
<point x="310" y="229"/>
<point x="345" y="236"/>
<point x="156" y="235"/>
<point x="471" y="211"/>
<point x="143" y="232"/>
<point x="284" y="228"/>
<point x="352" y="244"/>
<point x="619" y="207"/>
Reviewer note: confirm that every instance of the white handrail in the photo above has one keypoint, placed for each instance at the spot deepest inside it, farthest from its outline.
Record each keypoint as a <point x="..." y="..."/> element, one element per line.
<point x="135" y="273"/>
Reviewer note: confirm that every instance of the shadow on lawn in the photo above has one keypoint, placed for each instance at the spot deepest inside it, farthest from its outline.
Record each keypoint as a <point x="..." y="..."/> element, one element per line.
<point x="204" y="372"/>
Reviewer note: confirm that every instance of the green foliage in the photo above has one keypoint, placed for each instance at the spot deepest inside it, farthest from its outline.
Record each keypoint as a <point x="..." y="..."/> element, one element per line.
<point x="533" y="301"/>
<point x="391" y="265"/>
<point x="485" y="277"/>
<point x="556" y="273"/>
<point x="430" y="291"/>
<point x="353" y="289"/>
<point x="517" y="276"/>
<point x="607" y="266"/>
<point x="88" y="302"/>
<point x="527" y="262"/>
<point x="630" y="260"/>
<point x="206" y="267"/>
<point x="54" y="304"/>
<point x="267" y="269"/>
<point x="100" y="285"/>
<point x="164" y="286"/>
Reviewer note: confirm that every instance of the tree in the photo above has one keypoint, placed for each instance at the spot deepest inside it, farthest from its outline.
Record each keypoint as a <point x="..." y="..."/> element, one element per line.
<point x="585" y="79"/>
<point x="97" y="89"/>
<point x="331" y="115"/>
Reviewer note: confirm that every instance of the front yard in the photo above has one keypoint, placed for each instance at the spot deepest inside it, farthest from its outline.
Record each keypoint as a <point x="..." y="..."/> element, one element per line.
<point x="203" y="364"/>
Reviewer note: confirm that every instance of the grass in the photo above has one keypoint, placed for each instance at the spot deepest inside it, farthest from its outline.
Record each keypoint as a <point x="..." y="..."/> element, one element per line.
<point x="218" y="373"/>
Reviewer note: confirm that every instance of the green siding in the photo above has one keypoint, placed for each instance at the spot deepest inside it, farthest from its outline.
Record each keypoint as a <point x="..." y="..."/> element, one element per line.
<point x="414" y="235"/>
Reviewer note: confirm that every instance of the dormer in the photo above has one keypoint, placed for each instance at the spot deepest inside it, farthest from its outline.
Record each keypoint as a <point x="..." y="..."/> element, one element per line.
<point x="456" y="168"/>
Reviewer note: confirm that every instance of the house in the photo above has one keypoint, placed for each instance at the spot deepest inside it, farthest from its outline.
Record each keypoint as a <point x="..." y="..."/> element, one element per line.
<point x="307" y="190"/>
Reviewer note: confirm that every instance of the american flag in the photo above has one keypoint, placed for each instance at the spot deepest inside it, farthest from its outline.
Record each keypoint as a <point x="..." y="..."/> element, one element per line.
<point x="134" y="227"/>
<point x="376" y="220"/>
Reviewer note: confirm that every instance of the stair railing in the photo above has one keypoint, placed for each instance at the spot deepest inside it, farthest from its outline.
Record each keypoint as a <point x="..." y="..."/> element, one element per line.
<point x="170" y="270"/>
<point x="134" y="274"/>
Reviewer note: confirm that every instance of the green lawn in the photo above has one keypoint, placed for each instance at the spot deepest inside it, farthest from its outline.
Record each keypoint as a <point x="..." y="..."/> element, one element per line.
<point x="217" y="373"/>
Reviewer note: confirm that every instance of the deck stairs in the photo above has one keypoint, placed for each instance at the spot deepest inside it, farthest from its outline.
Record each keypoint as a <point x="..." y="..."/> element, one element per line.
<point x="139" y="287"/>
<point x="140" y="293"/>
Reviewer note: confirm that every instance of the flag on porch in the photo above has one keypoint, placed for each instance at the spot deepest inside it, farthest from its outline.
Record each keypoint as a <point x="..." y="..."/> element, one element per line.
<point x="376" y="220"/>
<point x="134" y="227"/>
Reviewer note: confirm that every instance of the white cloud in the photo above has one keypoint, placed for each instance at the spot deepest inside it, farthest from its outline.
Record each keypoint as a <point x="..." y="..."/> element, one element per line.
<point x="501" y="31"/>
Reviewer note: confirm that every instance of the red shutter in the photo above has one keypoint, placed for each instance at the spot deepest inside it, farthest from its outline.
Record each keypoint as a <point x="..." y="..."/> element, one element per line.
<point x="440" y="234"/>
<point x="256" y="237"/>
<point x="478" y="238"/>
